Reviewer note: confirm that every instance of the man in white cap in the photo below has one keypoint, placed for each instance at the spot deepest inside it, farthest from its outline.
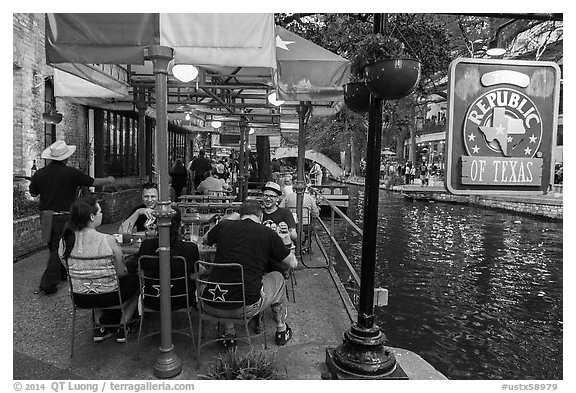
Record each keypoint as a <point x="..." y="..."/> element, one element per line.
<point x="278" y="218"/>
<point x="57" y="185"/>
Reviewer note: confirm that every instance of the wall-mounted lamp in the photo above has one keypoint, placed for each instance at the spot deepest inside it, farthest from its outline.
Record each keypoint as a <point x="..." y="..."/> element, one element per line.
<point x="187" y="117"/>
<point x="52" y="117"/>
<point x="185" y="72"/>
<point x="251" y="131"/>
<point x="216" y="124"/>
<point x="272" y="99"/>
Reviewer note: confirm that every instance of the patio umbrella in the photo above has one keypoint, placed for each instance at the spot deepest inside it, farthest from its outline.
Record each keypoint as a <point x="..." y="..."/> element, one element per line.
<point x="307" y="73"/>
<point x="100" y="49"/>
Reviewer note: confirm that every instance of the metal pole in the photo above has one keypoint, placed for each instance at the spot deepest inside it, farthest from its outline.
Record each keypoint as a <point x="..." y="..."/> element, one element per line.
<point x="362" y="355"/>
<point x="300" y="185"/>
<point x="242" y="178"/>
<point x="141" y="107"/>
<point x="168" y="363"/>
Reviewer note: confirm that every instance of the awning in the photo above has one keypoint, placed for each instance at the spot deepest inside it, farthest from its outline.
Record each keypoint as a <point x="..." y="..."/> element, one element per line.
<point x="79" y="43"/>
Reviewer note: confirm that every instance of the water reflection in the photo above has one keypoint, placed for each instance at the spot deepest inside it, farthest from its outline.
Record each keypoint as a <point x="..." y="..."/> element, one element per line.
<point x="476" y="292"/>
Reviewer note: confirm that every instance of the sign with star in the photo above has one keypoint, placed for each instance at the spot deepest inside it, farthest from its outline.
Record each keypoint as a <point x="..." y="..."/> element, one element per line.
<point x="502" y="122"/>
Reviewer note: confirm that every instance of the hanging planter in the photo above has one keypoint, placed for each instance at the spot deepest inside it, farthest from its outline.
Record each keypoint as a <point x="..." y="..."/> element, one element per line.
<point x="381" y="61"/>
<point x="392" y="79"/>
<point x="357" y="97"/>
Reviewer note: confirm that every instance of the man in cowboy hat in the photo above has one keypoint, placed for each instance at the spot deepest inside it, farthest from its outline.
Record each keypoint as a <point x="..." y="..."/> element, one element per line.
<point x="57" y="184"/>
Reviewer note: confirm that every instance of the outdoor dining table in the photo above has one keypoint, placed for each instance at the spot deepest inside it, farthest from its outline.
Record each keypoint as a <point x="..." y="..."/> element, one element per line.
<point x="206" y="252"/>
<point x="134" y="245"/>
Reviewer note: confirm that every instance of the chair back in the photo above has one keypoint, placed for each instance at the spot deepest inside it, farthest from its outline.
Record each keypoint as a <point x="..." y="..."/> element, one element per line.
<point x="220" y="293"/>
<point x="91" y="275"/>
<point x="150" y="282"/>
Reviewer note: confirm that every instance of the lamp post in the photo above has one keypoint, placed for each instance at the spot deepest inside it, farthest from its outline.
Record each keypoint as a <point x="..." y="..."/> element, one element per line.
<point x="168" y="363"/>
<point x="362" y="355"/>
<point x="303" y="110"/>
<point x="242" y="178"/>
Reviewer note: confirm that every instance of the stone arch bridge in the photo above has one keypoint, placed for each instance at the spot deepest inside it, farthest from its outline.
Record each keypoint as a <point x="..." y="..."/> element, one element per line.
<point x="331" y="166"/>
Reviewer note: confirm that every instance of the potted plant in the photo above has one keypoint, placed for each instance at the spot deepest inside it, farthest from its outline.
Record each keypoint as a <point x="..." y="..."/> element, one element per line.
<point x="356" y="94"/>
<point x="388" y="73"/>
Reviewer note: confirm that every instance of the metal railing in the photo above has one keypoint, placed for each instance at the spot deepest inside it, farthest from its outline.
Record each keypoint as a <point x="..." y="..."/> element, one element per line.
<point x="329" y="228"/>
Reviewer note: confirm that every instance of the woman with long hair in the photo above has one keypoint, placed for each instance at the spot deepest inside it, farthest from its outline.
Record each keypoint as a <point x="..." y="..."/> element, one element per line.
<point x="84" y="249"/>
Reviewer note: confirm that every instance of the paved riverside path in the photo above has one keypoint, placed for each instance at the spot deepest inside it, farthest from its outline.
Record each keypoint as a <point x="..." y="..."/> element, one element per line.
<point x="41" y="332"/>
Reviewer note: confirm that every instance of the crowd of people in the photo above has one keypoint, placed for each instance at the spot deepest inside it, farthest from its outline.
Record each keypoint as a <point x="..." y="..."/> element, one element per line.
<point x="261" y="238"/>
<point x="407" y="172"/>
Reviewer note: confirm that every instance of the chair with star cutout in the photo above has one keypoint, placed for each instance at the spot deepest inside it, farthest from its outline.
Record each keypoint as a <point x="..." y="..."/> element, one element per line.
<point x="182" y="292"/>
<point x="215" y="294"/>
<point x="85" y="276"/>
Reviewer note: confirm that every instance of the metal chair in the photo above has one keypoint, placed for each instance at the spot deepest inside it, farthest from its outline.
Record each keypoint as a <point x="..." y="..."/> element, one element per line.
<point x="150" y="294"/>
<point x="220" y="288"/>
<point x="78" y="279"/>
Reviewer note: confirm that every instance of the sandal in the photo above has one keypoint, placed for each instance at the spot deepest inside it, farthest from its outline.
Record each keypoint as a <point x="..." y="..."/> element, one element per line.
<point x="283" y="337"/>
<point x="228" y="342"/>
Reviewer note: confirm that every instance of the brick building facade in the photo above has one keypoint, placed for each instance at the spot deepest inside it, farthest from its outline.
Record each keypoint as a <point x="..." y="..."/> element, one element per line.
<point x="30" y="76"/>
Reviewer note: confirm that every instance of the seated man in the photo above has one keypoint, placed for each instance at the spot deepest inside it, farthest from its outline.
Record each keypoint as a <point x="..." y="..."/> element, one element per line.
<point x="141" y="219"/>
<point x="252" y="245"/>
<point x="214" y="182"/>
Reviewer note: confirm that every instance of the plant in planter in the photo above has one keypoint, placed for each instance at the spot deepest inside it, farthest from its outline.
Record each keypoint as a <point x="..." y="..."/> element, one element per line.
<point x="356" y="94"/>
<point x="252" y="365"/>
<point x="388" y="74"/>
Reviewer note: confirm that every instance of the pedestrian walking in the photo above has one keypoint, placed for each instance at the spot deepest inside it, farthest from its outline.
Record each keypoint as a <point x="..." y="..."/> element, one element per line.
<point x="179" y="176"/>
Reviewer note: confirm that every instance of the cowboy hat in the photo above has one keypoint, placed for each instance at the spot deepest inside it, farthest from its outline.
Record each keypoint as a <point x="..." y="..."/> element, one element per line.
<point x="272" y="187"/>
<point x="58" y="151"/>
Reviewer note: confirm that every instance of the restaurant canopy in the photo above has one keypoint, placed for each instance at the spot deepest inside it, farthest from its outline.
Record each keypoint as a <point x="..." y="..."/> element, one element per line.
<point x="239" y="66"/>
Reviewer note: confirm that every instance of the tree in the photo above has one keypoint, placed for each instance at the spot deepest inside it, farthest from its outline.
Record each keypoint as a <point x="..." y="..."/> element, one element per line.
<point x="434" y="39"/>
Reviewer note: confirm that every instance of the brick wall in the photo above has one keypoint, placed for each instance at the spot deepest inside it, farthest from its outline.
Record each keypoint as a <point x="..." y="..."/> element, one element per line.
<point x="29" y="72"/>
<point x="26" y="236"/>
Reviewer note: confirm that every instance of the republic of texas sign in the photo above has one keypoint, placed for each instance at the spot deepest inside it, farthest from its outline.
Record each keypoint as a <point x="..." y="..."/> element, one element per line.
<point x="502" y="121"/>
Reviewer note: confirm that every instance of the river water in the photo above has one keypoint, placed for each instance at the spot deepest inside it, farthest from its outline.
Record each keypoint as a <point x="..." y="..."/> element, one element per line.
<point x="476" y="292"/>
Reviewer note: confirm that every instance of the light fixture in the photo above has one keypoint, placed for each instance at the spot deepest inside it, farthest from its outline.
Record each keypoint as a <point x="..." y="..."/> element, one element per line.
<point x="272" y="99"/>
<point x="251" y="131"/>
<point x="52" y="117"/>
<point x="495" y="49"/>
<point x="185" y="72"/>
<point x="497" y="46"/>
<point x="187" y="116"/>
<point x="216" y="124"/>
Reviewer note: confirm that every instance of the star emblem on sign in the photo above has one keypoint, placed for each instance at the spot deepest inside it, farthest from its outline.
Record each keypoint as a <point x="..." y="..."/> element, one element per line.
<point x="218" y="293"/>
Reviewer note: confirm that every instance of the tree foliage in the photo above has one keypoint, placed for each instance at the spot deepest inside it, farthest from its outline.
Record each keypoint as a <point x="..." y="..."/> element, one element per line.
<point x="433" y="39"/>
